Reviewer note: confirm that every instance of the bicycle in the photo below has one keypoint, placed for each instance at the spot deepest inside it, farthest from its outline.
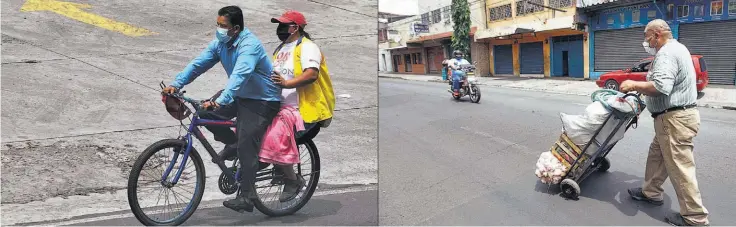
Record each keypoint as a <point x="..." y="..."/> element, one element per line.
<point x="185" y="154"/>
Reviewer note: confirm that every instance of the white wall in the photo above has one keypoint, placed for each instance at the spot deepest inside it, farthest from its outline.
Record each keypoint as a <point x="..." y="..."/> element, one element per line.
<point x="477" y="14"/>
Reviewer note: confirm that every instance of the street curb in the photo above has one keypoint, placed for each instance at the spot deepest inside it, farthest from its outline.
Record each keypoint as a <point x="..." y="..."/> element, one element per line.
<point x="556" y="92"/>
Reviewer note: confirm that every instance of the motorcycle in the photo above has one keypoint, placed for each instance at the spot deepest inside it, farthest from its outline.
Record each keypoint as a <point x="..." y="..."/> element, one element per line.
<point x="469" y="86"/>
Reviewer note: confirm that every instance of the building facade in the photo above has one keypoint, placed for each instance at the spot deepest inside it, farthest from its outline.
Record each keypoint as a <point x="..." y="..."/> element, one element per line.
<point x="706" y="27"/>
<point x="427" y="38"/>
<point x="535" y="38"/>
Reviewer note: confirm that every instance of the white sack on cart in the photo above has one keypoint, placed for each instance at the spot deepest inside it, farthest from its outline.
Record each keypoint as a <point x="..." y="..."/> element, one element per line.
<point x="580" y="128"/>
<point x="548" y="169"/>
<point x="627" y="105"/>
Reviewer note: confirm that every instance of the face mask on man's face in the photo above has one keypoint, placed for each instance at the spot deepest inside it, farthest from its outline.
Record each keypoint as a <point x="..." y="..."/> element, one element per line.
<point x="648" y="49"/>
<point x="221" y="35"/>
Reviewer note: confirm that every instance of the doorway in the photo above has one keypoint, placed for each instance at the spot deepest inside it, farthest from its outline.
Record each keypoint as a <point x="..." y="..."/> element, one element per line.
<point x="407" y="60"/>
<point x="383" y="56"/>
<point x="565" y="64"/>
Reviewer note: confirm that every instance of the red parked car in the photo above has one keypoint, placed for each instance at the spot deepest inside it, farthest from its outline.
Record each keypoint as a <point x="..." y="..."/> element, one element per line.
<point x="612" y="80"/>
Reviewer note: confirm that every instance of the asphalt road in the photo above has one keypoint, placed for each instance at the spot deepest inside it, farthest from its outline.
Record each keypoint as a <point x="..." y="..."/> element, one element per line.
<point x="80" y="102"/>
<point x="444" y="162"/>
<point x="344" y="209"/>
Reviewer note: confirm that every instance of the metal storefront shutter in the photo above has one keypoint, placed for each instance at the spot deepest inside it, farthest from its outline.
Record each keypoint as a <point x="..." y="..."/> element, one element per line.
<point x="715" y="41"/>
<point x="503" y="60"/>
<point x="532" y="58"/>
<point x="618" y="49"/>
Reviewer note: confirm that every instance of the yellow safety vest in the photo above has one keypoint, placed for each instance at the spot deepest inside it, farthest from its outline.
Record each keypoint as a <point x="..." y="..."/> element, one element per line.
<point x="316" y="100"/>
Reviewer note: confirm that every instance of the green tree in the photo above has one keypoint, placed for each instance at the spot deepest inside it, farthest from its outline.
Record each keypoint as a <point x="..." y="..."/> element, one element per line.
<point x="461" y="25"/>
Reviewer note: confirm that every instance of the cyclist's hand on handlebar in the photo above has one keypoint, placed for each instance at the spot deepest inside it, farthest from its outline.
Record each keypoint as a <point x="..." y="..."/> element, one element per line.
<point x="169" y="90"/>
<point x="210" y="105"/>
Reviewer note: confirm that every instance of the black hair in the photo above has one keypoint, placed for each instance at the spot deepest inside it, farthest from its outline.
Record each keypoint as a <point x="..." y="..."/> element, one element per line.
<point x="233" y="14"/>
<point x="304" y="33"/>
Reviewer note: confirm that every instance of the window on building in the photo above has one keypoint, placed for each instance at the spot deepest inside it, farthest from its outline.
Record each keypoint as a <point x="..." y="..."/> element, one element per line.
<point x="425" y="18"/>
<point x="524" y="7"/>
<point x="636" y="16"/>
<point x="447" y="13"/>
<point x="683" y="11"/>
<point x="716" y="8"/>
<point x="699" y="10"/>
<point x="560" y="3"/>
<point x="419" y="58"/>
<point x="414" y="58"/>
<point x="732" y="7"/>
<point x="500" y="12"/>
<point x="382" y="35"/>
<point x="436" y="16"/>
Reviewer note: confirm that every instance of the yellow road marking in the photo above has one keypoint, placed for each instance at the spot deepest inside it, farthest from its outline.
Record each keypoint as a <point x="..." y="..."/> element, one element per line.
<point x="74" y="11"/>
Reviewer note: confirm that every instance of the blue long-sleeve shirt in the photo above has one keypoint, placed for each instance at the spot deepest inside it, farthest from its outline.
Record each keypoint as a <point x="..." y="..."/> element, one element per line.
<point x="247" y="65"/>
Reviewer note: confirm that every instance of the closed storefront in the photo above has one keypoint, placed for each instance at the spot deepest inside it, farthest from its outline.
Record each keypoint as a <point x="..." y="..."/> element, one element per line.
<point x="503" y="60"/>
<point x="618" y="49"/>
<point x="716" y="42"/>
<point x="531" y="58"/>
<point x="567" y="56"/>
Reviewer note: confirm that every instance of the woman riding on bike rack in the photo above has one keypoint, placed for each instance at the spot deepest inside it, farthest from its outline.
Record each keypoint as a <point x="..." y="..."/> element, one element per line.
<point x="301" y="70"/>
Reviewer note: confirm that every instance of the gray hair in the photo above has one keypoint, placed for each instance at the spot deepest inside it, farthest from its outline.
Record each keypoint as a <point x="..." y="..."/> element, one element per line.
<point x="659" y="25"/>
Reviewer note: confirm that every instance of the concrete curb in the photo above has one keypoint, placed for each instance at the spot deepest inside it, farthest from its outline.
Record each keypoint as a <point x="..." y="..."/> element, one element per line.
<point x="554" y="92"/>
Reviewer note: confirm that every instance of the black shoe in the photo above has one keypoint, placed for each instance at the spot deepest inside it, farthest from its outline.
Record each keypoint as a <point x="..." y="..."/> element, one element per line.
<point x="637" y="194"/>
<point x="229" y="153"/>
<point x="239" y="204"/>
<point x="677" y="220"/>
<point x="291" y="188"/>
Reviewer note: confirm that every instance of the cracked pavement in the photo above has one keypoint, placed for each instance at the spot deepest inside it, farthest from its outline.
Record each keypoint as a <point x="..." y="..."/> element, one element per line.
<point x="80" y="102"/>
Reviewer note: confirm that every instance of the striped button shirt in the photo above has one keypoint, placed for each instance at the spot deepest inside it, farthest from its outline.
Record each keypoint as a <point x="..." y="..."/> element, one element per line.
<point x="673" y="75"/>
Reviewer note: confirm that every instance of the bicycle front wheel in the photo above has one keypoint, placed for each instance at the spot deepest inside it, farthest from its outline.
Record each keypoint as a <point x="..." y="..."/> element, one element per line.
<point x="153" y="198"/>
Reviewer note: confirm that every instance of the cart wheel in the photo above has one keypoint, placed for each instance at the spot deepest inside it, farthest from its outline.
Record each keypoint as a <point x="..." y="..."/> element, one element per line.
<point x="604" y="165"/>
<point x="570" y="188"/>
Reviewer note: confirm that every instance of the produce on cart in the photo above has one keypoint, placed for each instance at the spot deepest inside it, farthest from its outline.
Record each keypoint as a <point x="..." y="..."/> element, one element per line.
<point x="586" y="139"/>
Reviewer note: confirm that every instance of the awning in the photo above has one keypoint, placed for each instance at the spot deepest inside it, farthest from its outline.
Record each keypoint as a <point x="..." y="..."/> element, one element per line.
<point x="394" y="48"/>
<point x="537" y="26"/>
<point x="443" y="35"/>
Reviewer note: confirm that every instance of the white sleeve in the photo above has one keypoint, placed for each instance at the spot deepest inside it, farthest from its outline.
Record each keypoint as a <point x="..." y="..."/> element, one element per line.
<point x="465" y="62"/>
<point x="311" y="56"/>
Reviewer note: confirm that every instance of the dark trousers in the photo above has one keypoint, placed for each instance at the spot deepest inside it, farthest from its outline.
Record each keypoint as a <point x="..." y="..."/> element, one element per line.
<point x="254" y="117"/>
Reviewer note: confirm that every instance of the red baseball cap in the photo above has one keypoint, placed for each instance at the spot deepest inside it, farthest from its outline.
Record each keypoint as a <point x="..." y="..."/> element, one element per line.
<point x="290" y="16"/>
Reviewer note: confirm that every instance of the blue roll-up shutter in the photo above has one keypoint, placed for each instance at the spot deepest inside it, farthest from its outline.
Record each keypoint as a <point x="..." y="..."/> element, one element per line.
<point x="503" y="60"/>
<point x="532" y="58"/>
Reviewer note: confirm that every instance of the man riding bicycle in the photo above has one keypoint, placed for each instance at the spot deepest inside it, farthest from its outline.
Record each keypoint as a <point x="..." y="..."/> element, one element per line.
<point x="457" y="74"/>
<point x="250" y="95"/>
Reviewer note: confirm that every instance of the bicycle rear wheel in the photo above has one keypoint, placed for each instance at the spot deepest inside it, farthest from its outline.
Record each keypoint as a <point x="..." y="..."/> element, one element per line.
<point x="268" y="192"/>
<point x="146" y="180"/>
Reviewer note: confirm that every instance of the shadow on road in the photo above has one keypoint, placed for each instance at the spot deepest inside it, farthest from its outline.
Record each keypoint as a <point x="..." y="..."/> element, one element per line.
<point x="612" y="187"/>
<point x="225" y="216"/>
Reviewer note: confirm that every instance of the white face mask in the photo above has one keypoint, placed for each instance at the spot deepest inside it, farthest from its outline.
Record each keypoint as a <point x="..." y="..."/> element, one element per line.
<point x="648" y="49"/>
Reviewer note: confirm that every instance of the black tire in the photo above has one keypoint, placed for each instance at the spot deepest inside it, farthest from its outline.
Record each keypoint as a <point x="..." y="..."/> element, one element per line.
<point x="604" y="165"/>
<point x="611" y="84"/>
<point x="312" y="186"/>
<point x="475" y="98"/>
<point x="570" y="188"/>
<point x="136" y="171"/>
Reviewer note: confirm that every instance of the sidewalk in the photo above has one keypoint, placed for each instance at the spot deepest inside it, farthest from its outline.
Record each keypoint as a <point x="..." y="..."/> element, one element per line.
<point x="716" y="96"/>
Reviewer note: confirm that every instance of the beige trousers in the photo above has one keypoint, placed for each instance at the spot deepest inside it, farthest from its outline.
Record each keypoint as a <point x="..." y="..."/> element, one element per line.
<point x="671" y="155"/>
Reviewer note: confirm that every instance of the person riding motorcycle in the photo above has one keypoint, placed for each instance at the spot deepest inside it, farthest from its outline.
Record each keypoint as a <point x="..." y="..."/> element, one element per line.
<point x="457" y="74"/>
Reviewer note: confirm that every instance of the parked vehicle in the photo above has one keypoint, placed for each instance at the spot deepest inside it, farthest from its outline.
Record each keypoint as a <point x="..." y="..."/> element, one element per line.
<point x="612" y="80"/>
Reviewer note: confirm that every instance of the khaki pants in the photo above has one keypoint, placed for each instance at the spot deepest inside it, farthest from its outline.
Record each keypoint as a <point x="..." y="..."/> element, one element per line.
<point x="671" y="155"/>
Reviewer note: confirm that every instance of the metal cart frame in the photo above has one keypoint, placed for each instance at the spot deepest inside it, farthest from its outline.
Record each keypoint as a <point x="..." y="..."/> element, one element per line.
<point x="597" y="161"/>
